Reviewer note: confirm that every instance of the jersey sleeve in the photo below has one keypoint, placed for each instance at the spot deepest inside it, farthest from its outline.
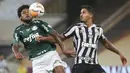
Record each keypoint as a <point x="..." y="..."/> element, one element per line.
<point x="102" y="36"/>
<point x="16" y="37"/>
<point x="45" y="26"/>
<point x="69" y="32"/>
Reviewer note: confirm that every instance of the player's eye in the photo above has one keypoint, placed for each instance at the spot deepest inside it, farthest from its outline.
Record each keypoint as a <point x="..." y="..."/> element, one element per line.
<point x="25" y="12"/>
<point x="83" y="12"/>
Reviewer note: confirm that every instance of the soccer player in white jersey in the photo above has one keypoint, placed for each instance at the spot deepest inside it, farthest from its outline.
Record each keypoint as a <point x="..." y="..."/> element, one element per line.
<point x="86" y="36"/>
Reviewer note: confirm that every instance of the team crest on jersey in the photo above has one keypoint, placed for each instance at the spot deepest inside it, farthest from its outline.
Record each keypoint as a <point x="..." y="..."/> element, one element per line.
<point x="28" y="29"/>
<point x="81" y="31"/>
<point x="21" y="31"/>
<point x="34" y="28"/>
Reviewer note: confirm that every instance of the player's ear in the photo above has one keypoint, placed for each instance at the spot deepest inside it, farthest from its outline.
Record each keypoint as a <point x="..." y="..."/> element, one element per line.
<point x="91" y="14"/>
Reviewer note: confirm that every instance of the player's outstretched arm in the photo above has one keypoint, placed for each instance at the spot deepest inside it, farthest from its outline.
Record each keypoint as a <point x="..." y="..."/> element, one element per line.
<point x="49" y="38"/>
<point x="54" y="34"/>
<point x="45" y="38"/>
<point x="60" y="43"/>
<point x="112" y="48"/>
<point x="15" y="49"/>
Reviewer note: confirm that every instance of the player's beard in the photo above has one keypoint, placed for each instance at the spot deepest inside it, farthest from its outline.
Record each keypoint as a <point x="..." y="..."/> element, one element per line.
<point x="27" y="21"/>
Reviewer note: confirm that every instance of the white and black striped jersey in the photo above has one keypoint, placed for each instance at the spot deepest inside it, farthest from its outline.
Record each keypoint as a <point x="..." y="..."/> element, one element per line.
<point x="85" y="41"/>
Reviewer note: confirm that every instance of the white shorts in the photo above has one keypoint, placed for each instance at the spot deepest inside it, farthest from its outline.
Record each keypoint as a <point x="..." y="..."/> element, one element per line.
<point x="47" y="62"/>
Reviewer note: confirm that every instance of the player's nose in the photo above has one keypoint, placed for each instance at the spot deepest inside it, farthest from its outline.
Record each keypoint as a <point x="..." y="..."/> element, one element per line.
<point x="27" y="13"/>
<point x="81" y="15"/>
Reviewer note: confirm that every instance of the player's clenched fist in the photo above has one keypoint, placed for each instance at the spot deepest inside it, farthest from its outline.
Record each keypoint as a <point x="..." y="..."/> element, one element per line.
<point x="19" y="56"/>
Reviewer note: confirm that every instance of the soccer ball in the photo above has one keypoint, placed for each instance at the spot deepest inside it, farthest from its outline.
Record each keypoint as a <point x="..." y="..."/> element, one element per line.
<point x="36" y="9"/>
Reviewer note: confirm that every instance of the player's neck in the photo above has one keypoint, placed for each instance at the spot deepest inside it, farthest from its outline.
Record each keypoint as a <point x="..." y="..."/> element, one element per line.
<point x="89" y="23"/>
<point x="26" y="24"/>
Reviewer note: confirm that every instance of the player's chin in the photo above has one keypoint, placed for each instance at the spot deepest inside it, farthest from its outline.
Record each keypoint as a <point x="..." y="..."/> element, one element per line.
<point x="28" y="19"/>
<point x="81" y="19"/>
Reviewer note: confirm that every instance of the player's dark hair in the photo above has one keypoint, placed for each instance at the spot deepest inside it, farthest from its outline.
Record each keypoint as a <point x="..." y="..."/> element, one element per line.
<point x="89" y="8"/>
<point x="21" y="8"/>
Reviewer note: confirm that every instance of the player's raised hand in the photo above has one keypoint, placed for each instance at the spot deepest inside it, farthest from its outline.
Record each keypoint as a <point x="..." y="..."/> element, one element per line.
<point x="39" y="38"/>
<point x="19" y="56"/>
<point x="45" y="38"/>
<point x="123" y="59"/>
<point x="69" y="53"/>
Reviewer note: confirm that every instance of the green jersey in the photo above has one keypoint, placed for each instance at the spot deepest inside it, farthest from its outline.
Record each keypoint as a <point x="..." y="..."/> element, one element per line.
<point x="27" y="34"/>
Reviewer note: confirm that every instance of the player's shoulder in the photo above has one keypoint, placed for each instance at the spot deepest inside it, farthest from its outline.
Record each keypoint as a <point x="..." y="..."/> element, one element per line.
<point x="79" y="24"/>
<point x="76" y="25"/>
<point x="99" y="27"/>
<point x="96" y="25"/>
<point x="18" y="27"/>
<point x="39" y="21"/>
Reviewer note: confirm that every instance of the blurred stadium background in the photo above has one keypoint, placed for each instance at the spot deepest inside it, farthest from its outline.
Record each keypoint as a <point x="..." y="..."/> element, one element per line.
<point x="112" y="15"/>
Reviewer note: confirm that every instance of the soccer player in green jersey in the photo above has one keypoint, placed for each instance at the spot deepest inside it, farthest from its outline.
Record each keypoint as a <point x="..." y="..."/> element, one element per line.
<point x="42" y="53"/>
